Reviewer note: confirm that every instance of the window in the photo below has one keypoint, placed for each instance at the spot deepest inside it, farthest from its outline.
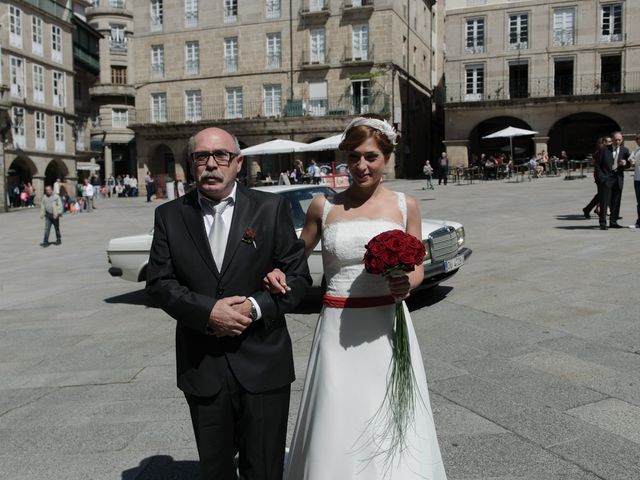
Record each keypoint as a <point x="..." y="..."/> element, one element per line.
<point x="474" y="82"/>
<point x="118" y="39"/>
<point x="118" y="75"/>
<point x="611" y="73"/>
<point x="58" y="123"/>
<point x="611" y="23"/>
<point x="16" y="75"/>
<point x="563" y="26"/>
<point x="77" y="92"/>
<point x="318" y="98"/>
<point x="159" y="107"/>
<point x="360" y="96"/>
<point x="519" y="31"/>
<point x="230" y="11"/>
<point x="38" y="83"/>
<point x="15" y="26"/>
<point x="190" y="13"/>
<point x="119" y="117"/>
<point x="17" y="114"/>
<point x="192" y="58"/>
<point x="518" y="80"/>
<point x="360" y="43"/>
<point x="230" y="54"/>
<point x="58" y="89"/>
<point x="317" y="46"/>
<point x="233" y="102"/>
<point x="41" y="131"/>
<point x="272" y="100"/>
<point x="563" y="77"/>
<point x="316" y="5"/>
<point x="193" y="106"/>
<point x="156" y="15"/>
<point x="273" y="9"/>
<point x="157" y="61"/>
<point x="474" y="42"/>
<point x="36" y="35"/>
<point x="116" y="3"/>
<point x="56" y="44"/>
<point x="274" y="50"/>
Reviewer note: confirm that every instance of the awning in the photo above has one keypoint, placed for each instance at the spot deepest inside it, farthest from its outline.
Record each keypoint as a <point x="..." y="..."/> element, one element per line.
<point x="92" y="167"/>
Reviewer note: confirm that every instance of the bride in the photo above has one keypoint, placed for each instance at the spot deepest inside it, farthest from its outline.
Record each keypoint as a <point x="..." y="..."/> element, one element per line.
<point x="337" y="434"/>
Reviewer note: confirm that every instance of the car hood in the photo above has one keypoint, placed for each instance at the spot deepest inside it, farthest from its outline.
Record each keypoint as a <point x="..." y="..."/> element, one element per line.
<point x="134" y="242"/>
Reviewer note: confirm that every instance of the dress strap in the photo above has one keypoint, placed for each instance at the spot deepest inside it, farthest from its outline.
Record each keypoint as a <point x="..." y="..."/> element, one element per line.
<point x="402" y="205"/>
<point x="326" y="208"/>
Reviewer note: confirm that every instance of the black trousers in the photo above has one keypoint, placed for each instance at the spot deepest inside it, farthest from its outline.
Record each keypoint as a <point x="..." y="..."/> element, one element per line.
<point x="592" y="204"/>
<point x="236" y="421"/>
<point x="610" y="195"/>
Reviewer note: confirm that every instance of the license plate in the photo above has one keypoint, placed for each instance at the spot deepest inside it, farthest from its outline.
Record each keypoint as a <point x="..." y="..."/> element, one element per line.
<point x="454" y="263"/>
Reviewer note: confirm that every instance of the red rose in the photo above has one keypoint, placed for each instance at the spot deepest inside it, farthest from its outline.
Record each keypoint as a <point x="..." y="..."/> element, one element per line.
<point x="376" y="248"/>
<point x="408" y="258"/>
<point x="389" y="258"/>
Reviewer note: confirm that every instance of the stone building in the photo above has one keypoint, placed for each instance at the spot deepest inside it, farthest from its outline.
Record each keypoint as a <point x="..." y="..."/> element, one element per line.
<point x="267" y="69"/>
<point x="569" y="70"/>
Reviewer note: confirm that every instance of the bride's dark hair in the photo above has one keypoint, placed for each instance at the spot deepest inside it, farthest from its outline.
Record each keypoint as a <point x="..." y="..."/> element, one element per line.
<point x="357" y="135"/>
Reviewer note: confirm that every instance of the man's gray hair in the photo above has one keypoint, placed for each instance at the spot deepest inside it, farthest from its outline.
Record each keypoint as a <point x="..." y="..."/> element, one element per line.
<point x="192" y="140"/>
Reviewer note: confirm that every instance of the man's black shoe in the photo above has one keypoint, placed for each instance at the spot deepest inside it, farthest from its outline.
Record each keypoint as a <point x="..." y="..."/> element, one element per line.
<point x="58" y="242"/>
<point x="615" y="225"/>
<point x="44" y="244"/>
<point x="586" y="213"/>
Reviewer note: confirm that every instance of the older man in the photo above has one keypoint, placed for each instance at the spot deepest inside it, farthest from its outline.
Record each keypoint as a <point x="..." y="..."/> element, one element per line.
<point x="210" y="251"/>
<point x="610" y="164"/>
<point x="50" y="210"/>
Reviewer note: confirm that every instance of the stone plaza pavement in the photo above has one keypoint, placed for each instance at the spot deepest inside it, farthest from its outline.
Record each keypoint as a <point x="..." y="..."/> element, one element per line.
<point x="532" y="351"/>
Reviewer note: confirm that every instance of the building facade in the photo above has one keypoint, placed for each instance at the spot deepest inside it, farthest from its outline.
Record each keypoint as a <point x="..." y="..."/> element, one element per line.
<point x="569" y="70"/>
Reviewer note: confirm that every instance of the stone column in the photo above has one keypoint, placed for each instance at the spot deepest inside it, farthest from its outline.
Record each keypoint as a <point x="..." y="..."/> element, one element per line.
<point x="108" y="162"/>
<point x="4" y="196"/>
<point x="457" y="151"/>
<point x="541" y="144"/>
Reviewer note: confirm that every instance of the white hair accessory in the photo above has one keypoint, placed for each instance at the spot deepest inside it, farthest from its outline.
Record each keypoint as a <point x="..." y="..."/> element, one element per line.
<point x="380" y="125"/>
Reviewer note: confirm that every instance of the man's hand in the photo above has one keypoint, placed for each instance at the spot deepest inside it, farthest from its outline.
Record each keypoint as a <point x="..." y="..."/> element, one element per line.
<point x="226" y="320"/>
<point x="276" y="282"/>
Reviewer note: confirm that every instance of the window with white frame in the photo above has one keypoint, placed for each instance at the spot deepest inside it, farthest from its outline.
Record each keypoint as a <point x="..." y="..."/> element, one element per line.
<point x="119" y="117"/>
<point x="58" y="89"/>
<point x="193" y="106"/>
<point x="36" y="35"/>
<point x="15" y="26"/>
<point x="316" y="5"/>
<point x="157" y="15"/>
<point x="272" y="100"/>
<point x="274" y="50"/>
<point x="230" y="11"/>
<point x="474" y="82"/>
<point x="360" y="42"/>
<point x="611" y="23"/>
<point x="318" y="98"/>
<point x="38" y="83"/>
<point x="81" y="135"/>
<point x="158" y="107"/>
<point x="274" y="9"/>
<point x="58" y="128"/>
<point x="563" y="26"/>
<point x="117" y="3"/>
<point x="360" y="96"/>
<point x="231" y="54"/>
<point x="190" y="13"/>
<point x="16" y="77"/>
<point x="317" y="46"/>
<point x="18" y="121"/>
<point x="41" y="130"/>
<point x="192" y="58"/>
<point x="474" y="40"/>
<point x="157" y="61"/>
<point x="233" y="102"/>
<point x="519" y="31"/>
<point x="118" y="38"/>
<point x="56" y="44"/>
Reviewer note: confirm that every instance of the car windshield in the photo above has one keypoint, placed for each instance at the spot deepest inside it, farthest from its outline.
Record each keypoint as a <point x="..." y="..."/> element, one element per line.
<point x="300" y="200"/>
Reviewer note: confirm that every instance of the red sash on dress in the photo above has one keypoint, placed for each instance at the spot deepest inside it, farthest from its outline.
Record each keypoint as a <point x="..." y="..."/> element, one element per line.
<point x="357" y="302"/>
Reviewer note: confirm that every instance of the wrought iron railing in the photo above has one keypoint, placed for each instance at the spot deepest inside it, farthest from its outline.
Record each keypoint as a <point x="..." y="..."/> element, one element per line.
<point x="53" y="8"/>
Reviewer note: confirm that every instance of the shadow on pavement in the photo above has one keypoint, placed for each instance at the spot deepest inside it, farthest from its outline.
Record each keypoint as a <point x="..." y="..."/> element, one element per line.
<point x="138" y="297"/>
<point x="426" y="298"/>
<point x="580" y="227"/>
<point x="573" y="217"/>
<point x="163" y="467"/>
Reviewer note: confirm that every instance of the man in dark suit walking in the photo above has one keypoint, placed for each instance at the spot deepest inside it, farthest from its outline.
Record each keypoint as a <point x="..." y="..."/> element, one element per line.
<point x="210" y="251"/>
<point x="610" y="164"/>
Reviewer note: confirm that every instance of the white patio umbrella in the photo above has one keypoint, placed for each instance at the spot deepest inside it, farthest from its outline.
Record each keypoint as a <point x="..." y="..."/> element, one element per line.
<point x="510" y="132"/>
<point x="330" y="143"/>
<point x="273" y="147"/>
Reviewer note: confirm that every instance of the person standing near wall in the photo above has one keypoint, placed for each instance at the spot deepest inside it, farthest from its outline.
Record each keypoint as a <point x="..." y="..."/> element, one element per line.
<point x="50" y="211"/>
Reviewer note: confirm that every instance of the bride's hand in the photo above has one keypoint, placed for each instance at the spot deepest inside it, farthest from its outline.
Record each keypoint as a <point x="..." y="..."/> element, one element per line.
<point x="399" y="286"/>
<point x="276" y="282"/>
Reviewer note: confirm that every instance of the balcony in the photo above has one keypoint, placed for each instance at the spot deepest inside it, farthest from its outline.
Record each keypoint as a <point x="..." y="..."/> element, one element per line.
<point x="354" y="7"/>
<point x="333" y="106"/>
<point x="112" y="90"/>
<point x="52" y="8"/>
<point x="315" y="9"/>
<point x="118" y="45"/>
<point x="315" y="61"/>
<point x="105" y="7"/>
<point x="548" y="87"/>
<point x="357" y="58"/>
<point x="90" y="62"/>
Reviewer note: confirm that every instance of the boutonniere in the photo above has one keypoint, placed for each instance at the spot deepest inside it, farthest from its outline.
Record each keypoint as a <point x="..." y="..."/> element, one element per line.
<point x="249" y="237"/>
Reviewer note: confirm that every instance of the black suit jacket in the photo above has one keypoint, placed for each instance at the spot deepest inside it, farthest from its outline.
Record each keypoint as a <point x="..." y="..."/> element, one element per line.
<point x="183" y="279"/>
<point x="606" y="170"/>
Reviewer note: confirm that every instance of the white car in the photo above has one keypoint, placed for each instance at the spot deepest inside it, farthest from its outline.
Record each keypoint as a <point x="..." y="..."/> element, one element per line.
<point x="444" y="240"/>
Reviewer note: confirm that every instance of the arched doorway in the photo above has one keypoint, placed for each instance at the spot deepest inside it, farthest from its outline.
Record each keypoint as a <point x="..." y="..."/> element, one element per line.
<point x="577" y="133"/>
<point x="162" y="161"/>
<point x="20" y="172"/>
<point x="56" y="169"/>
<point x="523" y="147"/>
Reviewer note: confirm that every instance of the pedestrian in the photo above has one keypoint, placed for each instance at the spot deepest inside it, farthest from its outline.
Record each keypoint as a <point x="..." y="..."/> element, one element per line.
<point x="443" y="168"/>
<point x="180" y="188"/>
<point x="635" y="161"/>
<point x="133" y="187"/>
<point x="428" y="173"/>
<point x="234" y="359"/>
<point x="87" y="195"/>
<point x="56" y="186"/>
<point x="595" y="201"/>
<point x="149" y="185"/>
<point x="50" y="211"/>
<point x="610" y="165"/>
<point x="314" y="172"/>
<point x="111" y="185"/>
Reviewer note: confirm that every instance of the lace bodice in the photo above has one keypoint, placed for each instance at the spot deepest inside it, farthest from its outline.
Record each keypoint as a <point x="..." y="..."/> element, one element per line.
<point x="343" y="248"/>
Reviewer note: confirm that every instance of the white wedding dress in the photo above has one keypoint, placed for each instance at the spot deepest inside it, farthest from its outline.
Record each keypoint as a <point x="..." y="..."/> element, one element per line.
<point x="335" y="435"/>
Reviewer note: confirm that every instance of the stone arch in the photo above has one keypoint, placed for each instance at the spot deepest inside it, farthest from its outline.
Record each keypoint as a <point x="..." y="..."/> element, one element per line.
<point x="56" y="169"/>
<point x="577" y="133"/>
<point x="161" y="160"/>
<point x="21" y="170"/>
<point x="523" y="147"/>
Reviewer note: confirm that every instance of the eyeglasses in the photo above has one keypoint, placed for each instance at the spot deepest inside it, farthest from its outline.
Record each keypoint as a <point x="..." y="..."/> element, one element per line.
<point x="222" y="157"/>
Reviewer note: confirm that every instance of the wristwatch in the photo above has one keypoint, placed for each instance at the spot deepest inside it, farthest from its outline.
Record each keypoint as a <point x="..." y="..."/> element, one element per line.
<point x="253" y="314"/>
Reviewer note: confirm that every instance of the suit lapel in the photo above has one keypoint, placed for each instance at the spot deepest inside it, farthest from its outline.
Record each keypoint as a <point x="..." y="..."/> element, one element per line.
<point x="192" y="216"/>
<point x="242" y="217"/>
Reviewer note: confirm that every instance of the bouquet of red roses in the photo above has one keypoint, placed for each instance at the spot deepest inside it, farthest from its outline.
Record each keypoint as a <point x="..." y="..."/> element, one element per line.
<point x="392" y="253"/>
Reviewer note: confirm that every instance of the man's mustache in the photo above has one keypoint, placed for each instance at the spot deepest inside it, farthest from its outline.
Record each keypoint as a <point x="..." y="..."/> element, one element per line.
<point x="210" y="174"/>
